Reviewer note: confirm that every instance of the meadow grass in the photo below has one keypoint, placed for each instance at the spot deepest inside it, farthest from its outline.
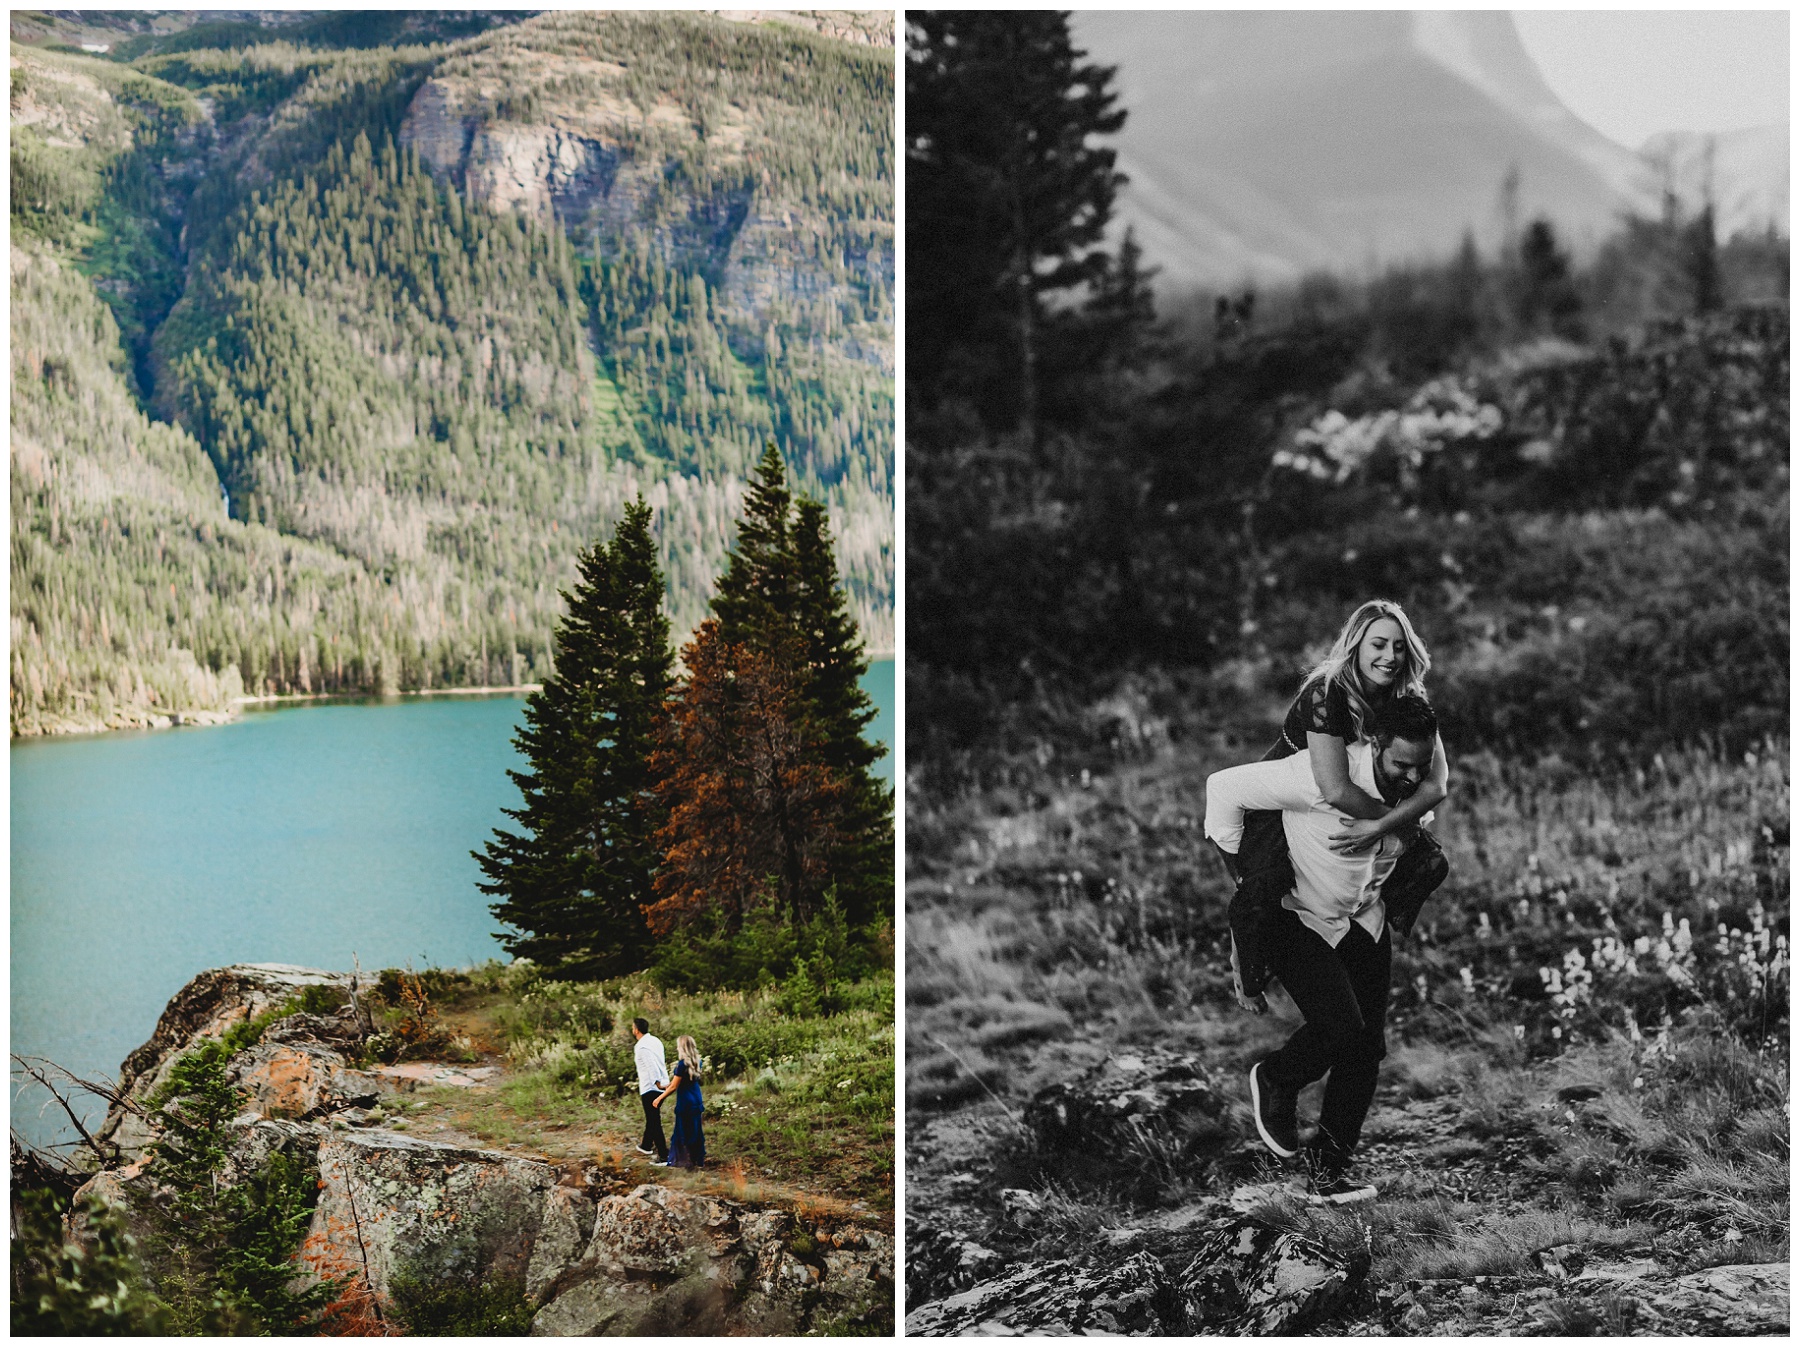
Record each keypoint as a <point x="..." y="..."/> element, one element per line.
<point x="1593" y="1010"/>
<point x="799" y="1106"/>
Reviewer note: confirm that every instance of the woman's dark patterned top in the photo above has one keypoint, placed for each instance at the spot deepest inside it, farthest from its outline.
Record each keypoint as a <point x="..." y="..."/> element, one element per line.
<point x="1321" y="708"/>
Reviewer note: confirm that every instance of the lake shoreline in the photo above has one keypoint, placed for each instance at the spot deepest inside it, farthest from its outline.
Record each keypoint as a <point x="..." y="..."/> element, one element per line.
<point x="143" y="719"/>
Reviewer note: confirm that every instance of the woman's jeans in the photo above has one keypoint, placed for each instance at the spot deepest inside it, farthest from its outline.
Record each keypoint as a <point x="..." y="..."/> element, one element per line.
<point x="1343" y="993"/>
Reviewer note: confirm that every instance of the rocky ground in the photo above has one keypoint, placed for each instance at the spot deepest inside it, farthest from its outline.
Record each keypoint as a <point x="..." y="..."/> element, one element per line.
<point x="598" y="1244"/>
<point x="1582" y="1123"/>
<point x="1133" y="1198"/>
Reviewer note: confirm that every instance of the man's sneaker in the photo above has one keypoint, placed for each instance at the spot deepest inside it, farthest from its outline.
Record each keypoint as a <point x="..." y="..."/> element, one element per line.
<point x="1274" y="1107"/>
<point x="1330" y="1178"/>
<point x="645" y="1150"/>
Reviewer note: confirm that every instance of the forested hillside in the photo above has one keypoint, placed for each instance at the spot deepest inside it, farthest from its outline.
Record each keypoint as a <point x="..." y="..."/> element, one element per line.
<point x="330" y="355"/>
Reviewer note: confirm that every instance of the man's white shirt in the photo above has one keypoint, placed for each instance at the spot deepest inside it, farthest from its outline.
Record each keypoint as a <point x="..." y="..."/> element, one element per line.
<point x="1330" y="890"/>
<point x="652" y="1065"/>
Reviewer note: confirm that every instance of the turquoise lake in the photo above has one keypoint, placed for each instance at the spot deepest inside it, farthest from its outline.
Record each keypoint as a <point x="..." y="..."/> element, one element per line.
<point x="306" y="835"/>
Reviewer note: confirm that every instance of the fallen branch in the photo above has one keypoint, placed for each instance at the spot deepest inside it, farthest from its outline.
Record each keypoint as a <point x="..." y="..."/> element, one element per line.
<point x="973" y="1075"/>
<point x="37" y="1074"/>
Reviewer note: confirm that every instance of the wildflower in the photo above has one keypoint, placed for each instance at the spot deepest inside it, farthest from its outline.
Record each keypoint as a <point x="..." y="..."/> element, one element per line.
<point x="1637" y="1082"/>
<point x="1519" y="1032"/>
<point x="1468" y="979"/>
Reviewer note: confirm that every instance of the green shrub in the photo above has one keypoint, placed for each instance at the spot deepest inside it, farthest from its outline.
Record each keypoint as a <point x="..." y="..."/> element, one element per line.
<point x="226" y="1250"/>
<point x="450" y="1290"/>
<point x="769" y="948"/>
<point x="63" y="1288"/>
<point x="322" y="999"/>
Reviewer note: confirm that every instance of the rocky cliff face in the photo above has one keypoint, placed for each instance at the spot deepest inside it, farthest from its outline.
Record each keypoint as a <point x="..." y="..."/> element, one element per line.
<point x="568" y="139"/>
<point x="591" y="1251"/>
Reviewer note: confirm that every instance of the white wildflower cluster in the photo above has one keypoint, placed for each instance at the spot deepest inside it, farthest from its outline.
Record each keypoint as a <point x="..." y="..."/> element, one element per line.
<point x="1441" y="413"/>
<point x="1672" y="952"/>
<point x="1571" y="986"/>
<point x="1758" y="953"/>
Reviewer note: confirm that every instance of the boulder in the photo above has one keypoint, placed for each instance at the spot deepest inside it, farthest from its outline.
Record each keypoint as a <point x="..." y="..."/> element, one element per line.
<point x="209" y="1005"/>
<point x="395" y="1207"/>
<point x="1137" y="1103"/>
<point x="940" y="1263"/>
<point x="663" y="1260"/>
<point x="562" y="1240"/>
<point x="300" y="1078"/>
<point x="1133" y="1299"/>
<point x="1250" y="1279"/>
<point x="1742" y="1300"/>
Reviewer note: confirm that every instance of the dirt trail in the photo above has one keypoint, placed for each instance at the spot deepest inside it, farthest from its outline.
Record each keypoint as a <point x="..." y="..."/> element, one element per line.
<point x="464" y="1104"/>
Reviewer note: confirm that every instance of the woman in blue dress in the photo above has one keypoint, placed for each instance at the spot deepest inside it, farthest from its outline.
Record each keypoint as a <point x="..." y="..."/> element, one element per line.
<point x="687" y="1143"/>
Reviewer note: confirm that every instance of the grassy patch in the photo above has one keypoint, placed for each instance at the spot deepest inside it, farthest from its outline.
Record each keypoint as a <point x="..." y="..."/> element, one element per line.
<point x="795" y="1104"/>
<point x="1627" y="1100"/>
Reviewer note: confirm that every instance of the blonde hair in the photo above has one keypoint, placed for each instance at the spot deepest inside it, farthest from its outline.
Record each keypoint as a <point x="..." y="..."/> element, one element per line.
<point x="689" y="1051"/>
<point x="1339" y="667"/>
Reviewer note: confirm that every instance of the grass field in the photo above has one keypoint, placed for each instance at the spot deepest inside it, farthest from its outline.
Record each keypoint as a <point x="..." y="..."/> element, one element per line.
<point x="1588" y="1041"/>
<point x="799" y="1108"/>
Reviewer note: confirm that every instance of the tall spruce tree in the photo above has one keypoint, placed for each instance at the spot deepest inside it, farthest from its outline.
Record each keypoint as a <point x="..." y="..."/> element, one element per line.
<point x="781" y="597"/>
<point x="755" y="599"/>
<point x="1007" y="201"/>
<point x="573" y="883"/>
<point x="753" y="814"/>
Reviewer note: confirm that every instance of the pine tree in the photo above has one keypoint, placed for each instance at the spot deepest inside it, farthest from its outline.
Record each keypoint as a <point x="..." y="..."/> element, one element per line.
<point x="575" y="881"/>
<point x="754" y="603"/>
<point x="780" y="619"/>
<point x="841" y="711"/>
<point x="751" y="810"/>
<point x="1007" y="202"/>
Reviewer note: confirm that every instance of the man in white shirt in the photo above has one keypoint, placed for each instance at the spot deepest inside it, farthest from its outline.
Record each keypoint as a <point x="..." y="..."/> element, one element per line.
<point x="1330" y="947"/>
<point x="653" y="1078"/>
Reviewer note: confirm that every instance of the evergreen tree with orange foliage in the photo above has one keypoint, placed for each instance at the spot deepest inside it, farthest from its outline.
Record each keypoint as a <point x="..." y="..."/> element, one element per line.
<point x="765" y="738"/>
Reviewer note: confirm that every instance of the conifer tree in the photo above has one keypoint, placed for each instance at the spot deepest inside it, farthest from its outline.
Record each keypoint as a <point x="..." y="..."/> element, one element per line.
<point x="835" y="663"/>
<point x="1007" y="199"/>
<point x="780" y="600"/>
<point x="751" y="809"/>
<point x="755" y="600"/>
<point x="574" y="881"/>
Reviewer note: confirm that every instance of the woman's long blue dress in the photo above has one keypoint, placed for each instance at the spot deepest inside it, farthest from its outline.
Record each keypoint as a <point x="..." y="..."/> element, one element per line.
<point x="687" y="1144"/>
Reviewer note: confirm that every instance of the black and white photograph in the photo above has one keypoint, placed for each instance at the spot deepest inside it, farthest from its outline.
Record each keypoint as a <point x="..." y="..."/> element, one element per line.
<point x="1346" y="659"/>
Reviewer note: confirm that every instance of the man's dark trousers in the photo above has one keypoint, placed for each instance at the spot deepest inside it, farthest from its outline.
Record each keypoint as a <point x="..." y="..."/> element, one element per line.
<point x="653" y="1133"/>
<point x="1343" y="992"/>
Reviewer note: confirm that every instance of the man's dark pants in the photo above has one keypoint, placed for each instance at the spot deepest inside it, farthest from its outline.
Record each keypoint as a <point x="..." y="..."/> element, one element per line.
<point x="653" y="1133"/>
<point x="1343" y="992"/>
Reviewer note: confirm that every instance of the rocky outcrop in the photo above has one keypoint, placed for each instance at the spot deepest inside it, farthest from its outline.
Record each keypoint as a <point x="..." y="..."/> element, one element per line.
<point x="1135" y="1103"/>
<point x="1134" y="1299"/>
<point x="1240" y="1278"/>
<point x="216" y="1001"/>
<point x="590" y="1254"/>
<point x="530" y="130"/>
<point x="1743" y="1300"/>
<point x="1249" y="1279"/>
<point x="940" y="1263"/>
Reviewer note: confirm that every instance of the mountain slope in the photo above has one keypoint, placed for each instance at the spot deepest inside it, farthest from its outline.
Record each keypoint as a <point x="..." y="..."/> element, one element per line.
<point x="445" y="384"/>
<point x="1262" y="145"/>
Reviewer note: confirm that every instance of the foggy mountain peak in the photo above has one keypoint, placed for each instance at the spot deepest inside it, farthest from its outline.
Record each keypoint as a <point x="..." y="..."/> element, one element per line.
<point x="1262" y="145"/>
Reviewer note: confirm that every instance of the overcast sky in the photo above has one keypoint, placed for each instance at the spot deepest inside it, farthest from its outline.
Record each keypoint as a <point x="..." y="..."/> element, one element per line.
<point x="1632" y="73"/>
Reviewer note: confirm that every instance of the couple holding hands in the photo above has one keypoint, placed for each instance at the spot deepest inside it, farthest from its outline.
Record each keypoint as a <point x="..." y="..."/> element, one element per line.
<point x="1324" y="840"/>
<point x="687" y="1148"/>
